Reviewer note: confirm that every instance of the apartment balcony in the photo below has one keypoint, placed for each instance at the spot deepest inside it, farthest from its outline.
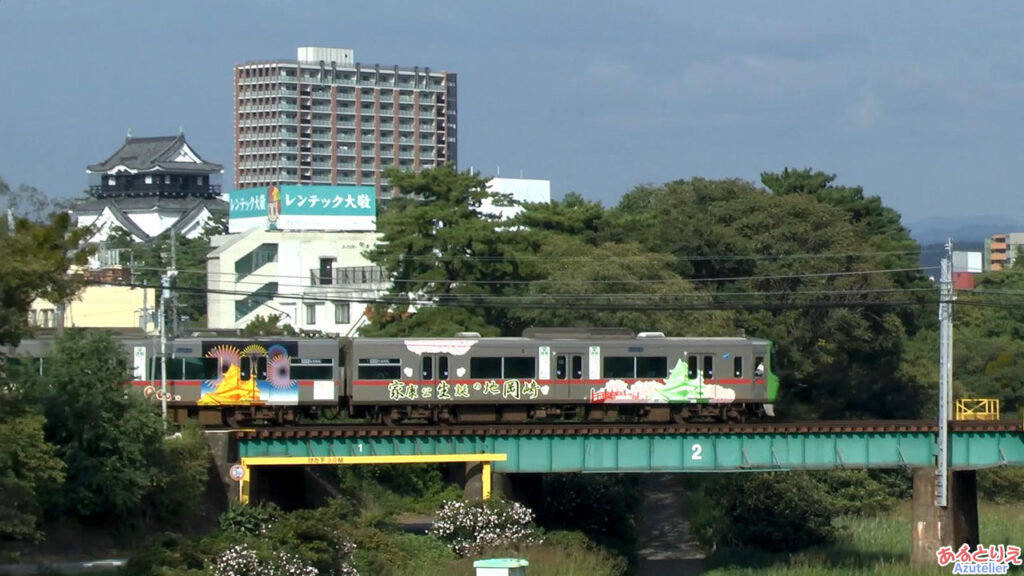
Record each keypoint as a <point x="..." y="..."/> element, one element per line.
<point x="365" y="277"/>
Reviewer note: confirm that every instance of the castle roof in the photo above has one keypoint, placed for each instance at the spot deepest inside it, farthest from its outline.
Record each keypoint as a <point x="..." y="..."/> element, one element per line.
<point x="162" y="154"/>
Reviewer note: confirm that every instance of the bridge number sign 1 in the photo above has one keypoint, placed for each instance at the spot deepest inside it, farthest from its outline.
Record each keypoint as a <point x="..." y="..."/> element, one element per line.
<point x="237" y="473"/>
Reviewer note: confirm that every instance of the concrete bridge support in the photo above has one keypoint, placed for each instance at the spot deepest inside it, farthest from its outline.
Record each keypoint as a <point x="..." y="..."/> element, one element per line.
<point x="933" y="527"/>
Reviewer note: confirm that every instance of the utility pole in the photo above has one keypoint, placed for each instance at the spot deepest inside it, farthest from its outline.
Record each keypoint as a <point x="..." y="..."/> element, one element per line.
<point x="946" y="298"/>
<point x="165" y="296"/>
<point x="174" y="299"/>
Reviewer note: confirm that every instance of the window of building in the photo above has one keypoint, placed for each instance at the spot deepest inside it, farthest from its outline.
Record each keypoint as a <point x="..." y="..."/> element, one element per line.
<point x="310" y="313"/>
<point x="149" y="179"/>
<point x="111" y="181"/>
<point x="341" y="312"/>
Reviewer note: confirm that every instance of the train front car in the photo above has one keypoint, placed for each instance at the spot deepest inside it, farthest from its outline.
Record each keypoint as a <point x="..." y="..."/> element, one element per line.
<point x="561" y="374"/>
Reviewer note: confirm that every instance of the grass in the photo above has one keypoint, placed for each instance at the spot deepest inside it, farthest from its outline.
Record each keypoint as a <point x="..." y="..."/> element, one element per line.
<point x="876" y="545"/>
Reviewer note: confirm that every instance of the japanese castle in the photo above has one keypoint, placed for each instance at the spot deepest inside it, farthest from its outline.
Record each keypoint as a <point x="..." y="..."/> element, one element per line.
<point x="151" y="185"/>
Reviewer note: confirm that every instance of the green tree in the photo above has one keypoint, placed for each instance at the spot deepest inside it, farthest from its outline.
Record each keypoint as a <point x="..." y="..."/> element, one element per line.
<point x="110" y="441"/>
<point x="801" y="261"/>
<point x="441" y="248"/>
<point x="30" y="472"/>
<point x="151" y="259"/>
<point x="37" y="251"/>
<point x="268" y="326"/>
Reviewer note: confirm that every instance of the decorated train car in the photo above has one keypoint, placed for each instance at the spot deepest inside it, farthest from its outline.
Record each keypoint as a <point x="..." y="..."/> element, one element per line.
<point x="545" y="374"/>
<point x="563" y="374"/>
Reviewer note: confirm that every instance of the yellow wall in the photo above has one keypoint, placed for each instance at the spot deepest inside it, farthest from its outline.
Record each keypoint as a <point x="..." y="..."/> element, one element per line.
<point x="99" y="307"/>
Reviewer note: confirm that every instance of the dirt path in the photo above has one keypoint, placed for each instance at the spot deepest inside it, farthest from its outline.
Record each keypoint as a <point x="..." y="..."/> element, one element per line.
<point x="666" y="547"/>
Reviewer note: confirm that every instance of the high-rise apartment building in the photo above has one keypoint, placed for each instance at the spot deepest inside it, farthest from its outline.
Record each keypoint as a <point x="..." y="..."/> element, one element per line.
<point x="326" y="119"/>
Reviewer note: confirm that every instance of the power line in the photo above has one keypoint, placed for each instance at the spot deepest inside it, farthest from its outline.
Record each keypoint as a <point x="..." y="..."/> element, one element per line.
<point x="640" y="281"/>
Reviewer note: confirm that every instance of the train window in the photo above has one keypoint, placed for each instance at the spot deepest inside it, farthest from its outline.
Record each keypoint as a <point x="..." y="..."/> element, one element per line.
<point x="737" y="366"/>
<point x="261" y="368"/>
<point x="175" y="369"/>
<point x="560" y="367"/>
<point x="759" y="367"/>
<point x="195" y="369"/>
<point x="428" y="368"/>
<point x="442" y="367"/>
<point x="520" y="367"/>
<point x="709" y="366"/>
<point x="691" y="365"/>
<point x="380" y="369"/>
<point x="577" y="367"/>
<point x="656" y="367"/>
<point x="312" y="372"/>
<point x="485" y="367"/>
<point x="619" y="367"/>
<point x="246" y="368"/>
<point x="211" y="369"/>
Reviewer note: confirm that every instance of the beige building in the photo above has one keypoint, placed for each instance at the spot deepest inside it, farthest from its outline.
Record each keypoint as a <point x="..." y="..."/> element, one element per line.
<point x="100" y="307"/>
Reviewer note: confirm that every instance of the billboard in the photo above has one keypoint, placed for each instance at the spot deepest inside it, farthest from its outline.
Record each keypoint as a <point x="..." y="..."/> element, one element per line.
<point x="333" y="208"/>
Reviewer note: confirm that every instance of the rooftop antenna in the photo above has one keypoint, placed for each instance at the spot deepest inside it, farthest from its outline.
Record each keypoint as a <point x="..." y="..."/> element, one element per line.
<point x="181" y="130"/>
<point x="128" y="136"/>
<point x="499" y="170"/>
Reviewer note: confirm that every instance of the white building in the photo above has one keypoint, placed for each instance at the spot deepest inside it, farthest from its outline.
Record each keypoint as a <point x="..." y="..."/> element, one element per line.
<point x="521" y="189"/>
<point x="315" y="280"/>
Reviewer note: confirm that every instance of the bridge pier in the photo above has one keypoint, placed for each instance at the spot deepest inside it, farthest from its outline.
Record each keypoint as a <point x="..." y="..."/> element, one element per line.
<point x="933" y="527"/>
<point x="224" y="449"/>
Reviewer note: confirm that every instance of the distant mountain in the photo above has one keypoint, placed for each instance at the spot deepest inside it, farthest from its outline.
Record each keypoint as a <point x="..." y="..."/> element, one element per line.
<point x="963" y="231"/>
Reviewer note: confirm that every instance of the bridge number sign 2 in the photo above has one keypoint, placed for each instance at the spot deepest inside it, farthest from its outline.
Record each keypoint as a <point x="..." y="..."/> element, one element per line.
<point x="695" y="450"/>
<point x="237" y="473"/>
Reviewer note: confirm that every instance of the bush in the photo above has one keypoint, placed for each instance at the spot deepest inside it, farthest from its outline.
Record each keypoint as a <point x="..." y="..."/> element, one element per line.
<point x="604" y="507"/>
<point x="241" y="560"/>
<point x="249" y="520"/>
<point x="469" y="527"/>
<point x="769" y="511"/>
<point x="1002" y="485"/>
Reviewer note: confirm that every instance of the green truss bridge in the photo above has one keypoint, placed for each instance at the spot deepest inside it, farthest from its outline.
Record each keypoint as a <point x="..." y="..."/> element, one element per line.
<point x="553" y="448"/>
<point x="645" y="448"/>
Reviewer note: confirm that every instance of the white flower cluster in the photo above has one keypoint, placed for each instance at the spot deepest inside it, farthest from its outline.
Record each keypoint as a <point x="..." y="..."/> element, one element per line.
<point x="470" y="527"/>
<point x="241" y="560"/>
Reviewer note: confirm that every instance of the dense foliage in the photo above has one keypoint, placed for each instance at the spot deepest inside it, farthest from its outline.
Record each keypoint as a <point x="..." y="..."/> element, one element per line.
<point x="825" y="271"/>
<point x="75" y="445"/>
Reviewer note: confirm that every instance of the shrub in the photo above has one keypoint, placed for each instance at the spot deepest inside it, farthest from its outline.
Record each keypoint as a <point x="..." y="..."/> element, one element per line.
<point x="773" y="512"/>
<point x="249" y="520"/>
<point x="1001" y="485"/>
<point x="603" y="506"/>
<point x="241" y="560"/>
<point x="469" y="527"/>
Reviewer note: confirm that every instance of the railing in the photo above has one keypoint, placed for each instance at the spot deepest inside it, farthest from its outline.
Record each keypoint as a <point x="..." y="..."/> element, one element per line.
<point x="977" y="409"/>
<point x="102" y="191"/>
<point x="348" y="276"/>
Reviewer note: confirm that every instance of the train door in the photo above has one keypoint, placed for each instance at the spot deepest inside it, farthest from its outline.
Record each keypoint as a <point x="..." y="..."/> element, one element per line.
<point x="434" y="367"/>
<point x="569" y="378"/>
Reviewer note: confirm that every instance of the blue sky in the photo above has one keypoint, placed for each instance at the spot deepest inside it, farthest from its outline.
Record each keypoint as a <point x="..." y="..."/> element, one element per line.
<point x="919" y="102"/>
